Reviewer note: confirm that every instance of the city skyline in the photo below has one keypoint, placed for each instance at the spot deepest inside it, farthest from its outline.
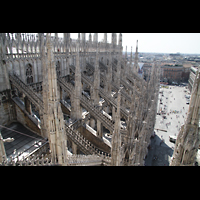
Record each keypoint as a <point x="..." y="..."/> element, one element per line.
<point x="184" y="43"/>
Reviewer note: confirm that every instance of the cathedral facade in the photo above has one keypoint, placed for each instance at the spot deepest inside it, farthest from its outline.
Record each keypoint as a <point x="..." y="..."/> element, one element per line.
<point x="91" y="105"/>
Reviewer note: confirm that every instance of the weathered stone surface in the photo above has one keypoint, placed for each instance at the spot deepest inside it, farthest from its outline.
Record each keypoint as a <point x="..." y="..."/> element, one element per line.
<point x="187" y="142"/>
<point x="46" y="69"/>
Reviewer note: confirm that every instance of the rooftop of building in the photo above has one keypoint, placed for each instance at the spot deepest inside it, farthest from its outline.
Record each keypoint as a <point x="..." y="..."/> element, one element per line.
<point x="172" y="66"/>
<point x="25" y="141"/>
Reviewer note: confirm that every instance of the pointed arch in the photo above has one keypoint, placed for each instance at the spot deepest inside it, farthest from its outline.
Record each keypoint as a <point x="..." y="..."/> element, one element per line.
<point x="29" y="73"/>
<point x="14" y="46"/>
<point x="8" y="49"/>
<point x="17" y="67"/>
<point x="58" y="68"/>
<point x="19" y="47"/>
<point x="61" y="46"/>
<point x="24" y="48"/>
<point x="37" y="49"/>
<point x="32" y="46"/>
<point x="29" y="47"/>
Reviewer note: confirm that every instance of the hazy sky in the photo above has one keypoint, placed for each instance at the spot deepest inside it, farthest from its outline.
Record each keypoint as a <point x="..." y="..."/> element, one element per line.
<point x="155" y="42"/>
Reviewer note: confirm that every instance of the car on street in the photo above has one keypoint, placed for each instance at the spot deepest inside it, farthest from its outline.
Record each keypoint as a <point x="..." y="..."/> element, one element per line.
<point x="172" y="138"/>
<point x="187" y="96"/>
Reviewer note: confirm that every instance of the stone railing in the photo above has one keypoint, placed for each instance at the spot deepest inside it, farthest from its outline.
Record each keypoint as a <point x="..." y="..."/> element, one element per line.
<point x="94" y="156"/>
<point x="86" y="147"/>
<point x="27" y="90"/>
<point x="85" y="102"/>
<point x="66" y="104"/>
<point x="84" y="160"/>
<point x="22" y="107"/>
<point x="68" y="87"/>
<point x="104" y="95"/>
<point x="95" y="112"/>
<point x="112" y="102"/>
<point x="114" y="85"/>
<point x="32" y="160"/>
<point x="76" y="124"/>
<point x="130" y="76"/>
<point x="45" y="160"/>
<point x="37" y="86"/>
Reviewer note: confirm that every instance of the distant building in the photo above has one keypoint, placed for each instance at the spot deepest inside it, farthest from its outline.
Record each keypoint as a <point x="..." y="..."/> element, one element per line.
<point x="173" y="73"/>
<point x="175" y="54"/>
<point x="186" y="71"/>
<point x="146" y="68"/>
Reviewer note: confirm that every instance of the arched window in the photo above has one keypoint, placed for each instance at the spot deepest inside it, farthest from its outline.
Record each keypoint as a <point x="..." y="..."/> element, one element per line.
<point x="29" y="73"/>
<point x="58" y="69"/>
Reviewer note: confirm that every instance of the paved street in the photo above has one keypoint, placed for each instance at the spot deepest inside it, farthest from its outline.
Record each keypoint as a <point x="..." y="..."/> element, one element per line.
<point x="173" y="100"/>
